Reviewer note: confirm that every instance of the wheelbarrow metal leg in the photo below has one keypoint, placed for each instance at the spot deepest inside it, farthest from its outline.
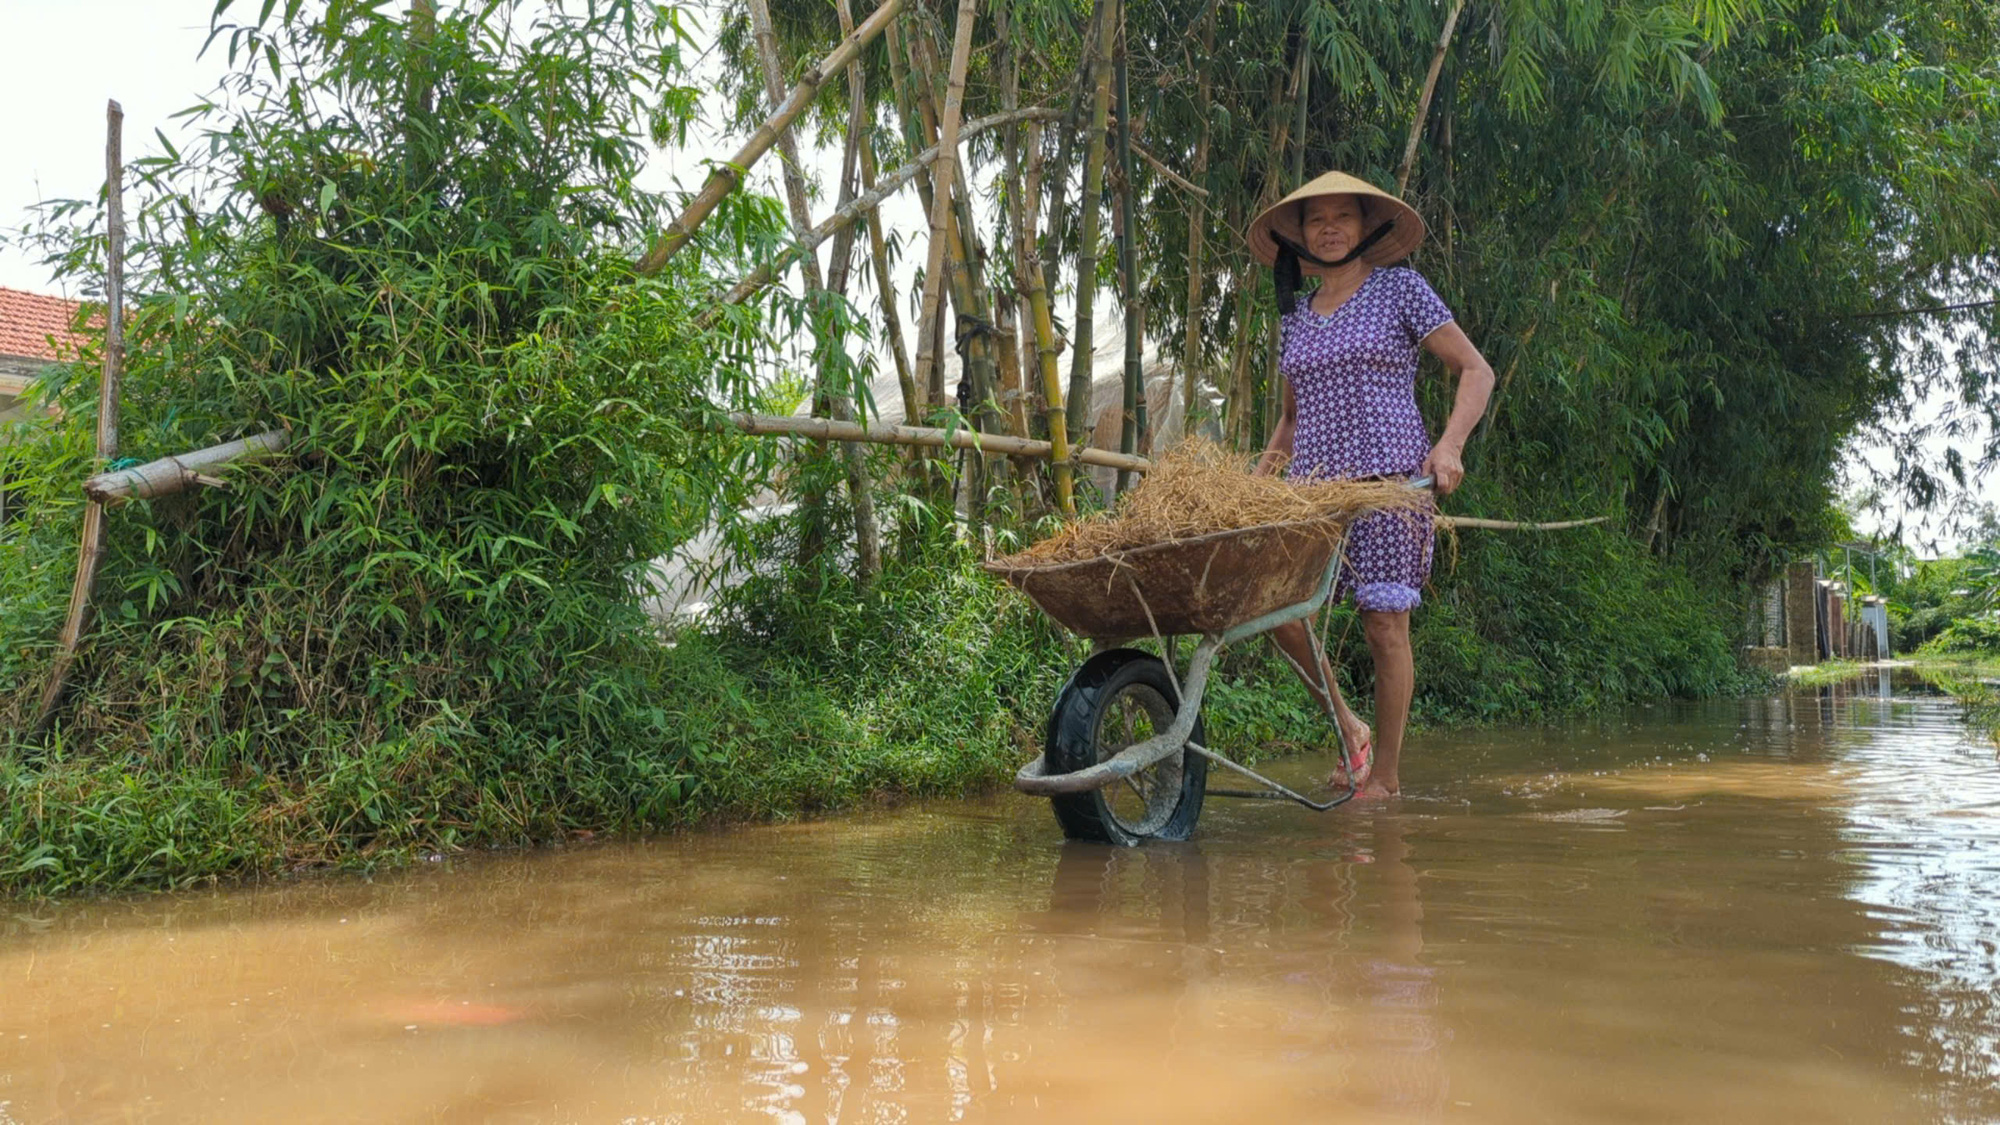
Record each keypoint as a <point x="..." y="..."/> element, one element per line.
<point x="1276" y="791"/>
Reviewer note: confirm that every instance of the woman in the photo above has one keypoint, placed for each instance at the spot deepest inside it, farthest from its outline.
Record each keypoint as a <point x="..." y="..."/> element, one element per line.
<point x="1349" y="358"/>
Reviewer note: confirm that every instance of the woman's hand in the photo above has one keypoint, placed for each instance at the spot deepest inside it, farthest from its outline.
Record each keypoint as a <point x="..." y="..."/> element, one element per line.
<point x="1444" y="466"/>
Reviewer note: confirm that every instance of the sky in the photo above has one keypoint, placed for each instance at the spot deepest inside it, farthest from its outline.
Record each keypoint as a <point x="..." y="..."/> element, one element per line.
<point x="60" y="60"/>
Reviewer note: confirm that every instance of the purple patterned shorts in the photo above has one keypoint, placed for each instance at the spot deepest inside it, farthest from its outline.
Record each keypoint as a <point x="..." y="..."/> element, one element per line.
<point x="1388" y="561"/>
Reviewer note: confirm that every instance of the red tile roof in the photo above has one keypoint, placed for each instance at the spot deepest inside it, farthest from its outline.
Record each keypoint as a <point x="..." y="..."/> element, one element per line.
<point x="29" y="320"/>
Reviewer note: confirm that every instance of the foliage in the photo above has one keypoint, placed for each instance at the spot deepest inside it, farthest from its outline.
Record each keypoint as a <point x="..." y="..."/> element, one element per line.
<point x="408" y="238"/>
<point x="1967" y="636"/>
<point x="412" y="248"/>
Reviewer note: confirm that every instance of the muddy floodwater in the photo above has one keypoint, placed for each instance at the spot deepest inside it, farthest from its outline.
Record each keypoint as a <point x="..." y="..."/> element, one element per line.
<point x="1767" y="910"/>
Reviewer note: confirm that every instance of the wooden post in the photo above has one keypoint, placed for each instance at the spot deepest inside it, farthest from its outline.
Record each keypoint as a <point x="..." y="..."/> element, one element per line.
<point x="90" y="553"/>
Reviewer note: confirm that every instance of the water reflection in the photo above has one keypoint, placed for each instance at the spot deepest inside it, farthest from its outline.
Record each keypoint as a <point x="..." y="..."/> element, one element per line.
<point x="1779" y="909"/>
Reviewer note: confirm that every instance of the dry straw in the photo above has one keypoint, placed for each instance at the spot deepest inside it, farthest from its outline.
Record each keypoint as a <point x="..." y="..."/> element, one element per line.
<point x="1199" y="489"/>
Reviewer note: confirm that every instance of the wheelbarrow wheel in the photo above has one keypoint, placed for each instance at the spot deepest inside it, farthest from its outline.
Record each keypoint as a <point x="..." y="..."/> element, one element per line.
<point x="1116" y="699"/>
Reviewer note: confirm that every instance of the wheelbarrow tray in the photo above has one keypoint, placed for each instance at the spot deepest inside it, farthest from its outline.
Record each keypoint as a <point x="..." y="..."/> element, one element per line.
<point x="1205" y="584"/>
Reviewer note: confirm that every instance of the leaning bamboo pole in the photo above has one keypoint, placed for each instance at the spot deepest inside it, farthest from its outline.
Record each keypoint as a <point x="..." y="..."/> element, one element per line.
<point x="866" y="204"/>
<point x="1424" y="99"/>
<point x="90" y="551"/>
<point x="727" y="176"/>
<point x="943" y="177"/>
<point x="1082" y="352"/>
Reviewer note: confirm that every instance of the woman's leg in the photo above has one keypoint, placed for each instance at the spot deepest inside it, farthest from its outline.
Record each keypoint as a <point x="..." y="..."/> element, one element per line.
<point x="1395" y="682"/>
<point x="1300" y="647"/>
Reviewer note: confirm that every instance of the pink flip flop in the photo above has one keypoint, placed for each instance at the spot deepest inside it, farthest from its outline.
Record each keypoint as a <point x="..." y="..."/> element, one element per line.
<point x="1355" y="767"/>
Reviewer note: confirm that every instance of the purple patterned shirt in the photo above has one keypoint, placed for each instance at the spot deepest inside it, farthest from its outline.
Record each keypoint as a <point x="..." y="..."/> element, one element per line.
<point x="1354" y="376"/>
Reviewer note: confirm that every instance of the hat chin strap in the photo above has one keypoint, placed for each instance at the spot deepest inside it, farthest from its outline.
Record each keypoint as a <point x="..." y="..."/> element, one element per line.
<point x="1305" y="255"/>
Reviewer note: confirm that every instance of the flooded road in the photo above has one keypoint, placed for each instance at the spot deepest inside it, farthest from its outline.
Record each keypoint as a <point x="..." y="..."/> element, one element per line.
<point x="1783" y="909"/>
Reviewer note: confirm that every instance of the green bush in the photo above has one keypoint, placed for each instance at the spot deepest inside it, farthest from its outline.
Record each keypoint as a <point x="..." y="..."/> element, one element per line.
<point x="1966" y="636"/>
<point x="414" y="252"/>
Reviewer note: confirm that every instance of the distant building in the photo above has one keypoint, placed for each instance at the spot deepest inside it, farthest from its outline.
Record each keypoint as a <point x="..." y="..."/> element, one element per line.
<point x="34" y="332"/>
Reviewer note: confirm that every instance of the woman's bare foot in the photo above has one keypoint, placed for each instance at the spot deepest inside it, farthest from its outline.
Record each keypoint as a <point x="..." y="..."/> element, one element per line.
<point x="1358" y="757"/>
<point x="1376" y="790"/>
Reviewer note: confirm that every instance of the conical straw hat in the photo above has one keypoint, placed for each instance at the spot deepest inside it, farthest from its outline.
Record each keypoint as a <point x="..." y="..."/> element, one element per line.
<point x="1287" y="217"/>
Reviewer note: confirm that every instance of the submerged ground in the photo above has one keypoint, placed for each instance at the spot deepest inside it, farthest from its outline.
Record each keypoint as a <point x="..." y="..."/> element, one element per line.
<point x="1752" y="910"/>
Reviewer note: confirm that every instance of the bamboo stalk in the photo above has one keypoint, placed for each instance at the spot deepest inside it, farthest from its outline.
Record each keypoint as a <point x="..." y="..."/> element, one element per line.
<point x="788" y="150"/>
<point x="867" y="534"/>
<point x="1133" y="423"/>
<point x="90" y="550"/>
<point x="841" y="262"/>
<point x="182" y="471"/>
<point x="1082" y="357"/>
<point x="826" y="429"/>
<point x="1046" y="350"/>
<point x="1424" y="99"/>
<point x="906" y="113"/>
<point x="1014" y="376"/>
<point x="942" y="180"/>
<point x="724" y="179"/>
<point x="885" y="288"/>
<point x="1191" y="349"/>
<point x="1051" y="241"/>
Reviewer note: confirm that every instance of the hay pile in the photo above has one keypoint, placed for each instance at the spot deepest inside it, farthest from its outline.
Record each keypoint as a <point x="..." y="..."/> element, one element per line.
<point x="1199" y="488"/>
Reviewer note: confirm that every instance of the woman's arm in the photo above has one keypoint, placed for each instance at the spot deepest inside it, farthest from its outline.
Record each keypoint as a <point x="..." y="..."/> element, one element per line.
<point x="1280" y="450"/>
<point x="1475" y="385"/>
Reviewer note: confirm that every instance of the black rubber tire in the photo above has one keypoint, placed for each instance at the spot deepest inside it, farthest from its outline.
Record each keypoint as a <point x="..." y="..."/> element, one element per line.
<point x="1072" y="743"/>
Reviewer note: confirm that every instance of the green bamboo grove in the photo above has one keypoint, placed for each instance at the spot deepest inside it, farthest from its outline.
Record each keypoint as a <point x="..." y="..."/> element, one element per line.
<point x="414" y="236"/>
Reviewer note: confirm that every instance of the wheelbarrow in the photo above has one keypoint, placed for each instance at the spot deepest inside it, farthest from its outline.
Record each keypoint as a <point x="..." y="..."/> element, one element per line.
<point x="1125" y="758"/>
